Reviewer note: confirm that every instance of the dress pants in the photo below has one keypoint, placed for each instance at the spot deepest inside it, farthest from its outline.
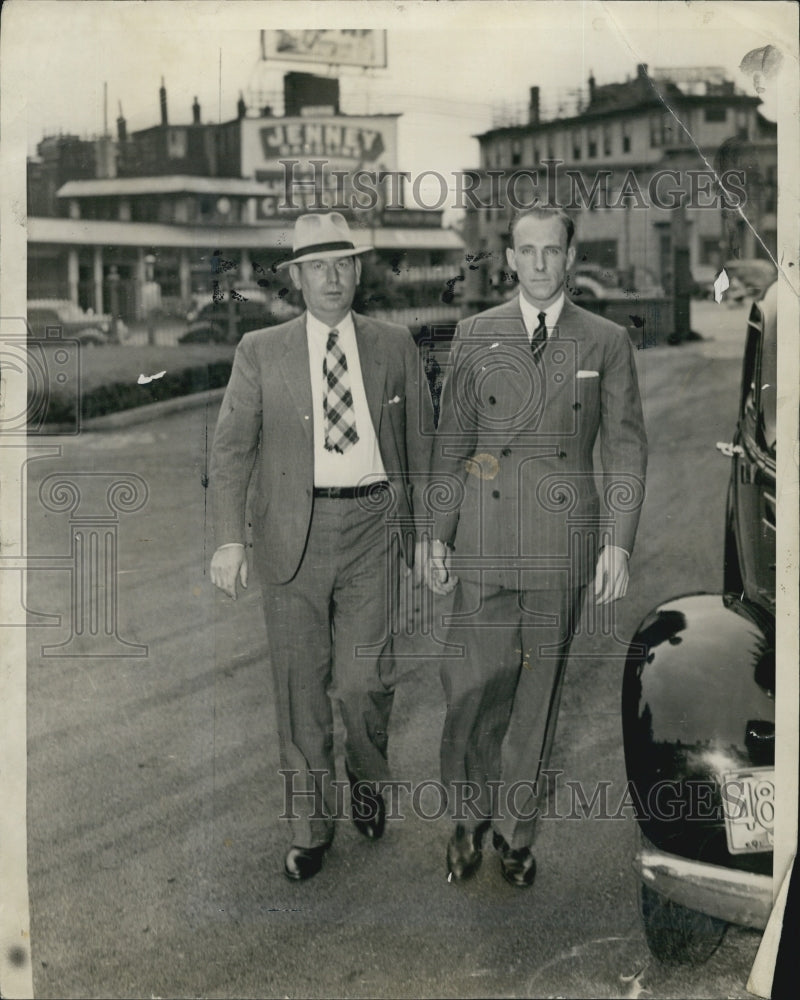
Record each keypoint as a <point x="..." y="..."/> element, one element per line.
<point x="328" y="632"/>
<point x="502" y="702"/>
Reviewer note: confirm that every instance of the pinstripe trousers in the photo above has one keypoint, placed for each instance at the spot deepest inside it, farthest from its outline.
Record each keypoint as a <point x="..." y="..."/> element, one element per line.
<point x="503" y="697"/>
<point x="328" y="633"/>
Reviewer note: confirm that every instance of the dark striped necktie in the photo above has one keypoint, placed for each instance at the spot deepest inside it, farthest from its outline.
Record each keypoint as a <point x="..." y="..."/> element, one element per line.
<point x="337" y="404"/>
<point x="539" y="334"/>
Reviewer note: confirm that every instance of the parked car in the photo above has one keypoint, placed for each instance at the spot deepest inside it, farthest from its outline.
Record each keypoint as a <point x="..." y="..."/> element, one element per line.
<point x="591" y="281"/>
<point x="749" y="278"/>
<point x="698" y="709"/>
<point x="89" y="328"/>
<point x="210" y="323"/>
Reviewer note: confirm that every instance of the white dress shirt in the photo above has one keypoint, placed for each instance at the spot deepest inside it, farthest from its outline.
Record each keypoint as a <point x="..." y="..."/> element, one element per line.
<point x="361" y="463"/>
<point x="530" y="314"/>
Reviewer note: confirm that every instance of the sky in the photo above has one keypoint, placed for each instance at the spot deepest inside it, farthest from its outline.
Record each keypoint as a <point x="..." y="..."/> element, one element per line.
<point x="449" y="64"/>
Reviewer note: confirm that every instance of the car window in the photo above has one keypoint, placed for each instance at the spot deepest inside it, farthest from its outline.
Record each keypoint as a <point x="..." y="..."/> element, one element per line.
<point x="759" y="376"/>
<point x="767" y="393"/>
<point x="44" y="316"/>
<point x="750" y="372"/>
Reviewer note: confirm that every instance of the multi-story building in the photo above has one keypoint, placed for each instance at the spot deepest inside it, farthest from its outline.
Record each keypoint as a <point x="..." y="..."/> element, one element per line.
<point x="193" y="205"/>
<point x="672" y="156"/>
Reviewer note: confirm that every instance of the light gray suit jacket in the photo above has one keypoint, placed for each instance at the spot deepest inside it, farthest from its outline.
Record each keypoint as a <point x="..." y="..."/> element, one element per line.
<point x="512" y="467"/>
<point x="265" y="434"/>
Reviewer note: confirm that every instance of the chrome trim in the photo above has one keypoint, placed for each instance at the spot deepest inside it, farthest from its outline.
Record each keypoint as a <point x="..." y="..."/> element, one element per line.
<point x="736" y="897"/>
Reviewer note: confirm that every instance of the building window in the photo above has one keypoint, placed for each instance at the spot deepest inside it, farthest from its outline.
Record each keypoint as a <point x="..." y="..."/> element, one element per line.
<point x="535" y="159"/>
<point x="176" y="144"/>
<point x="741" y="123"/>
<point x="516" y="153"/>
<point x="606" y="140"/>
<point x="603" y="253"/>
<point x="576" y="145"/>
<point x="771" y="188"/>
<point x="656" y="130"/>
<point x="626" y="138"/>
<point x="716" y="113"/>
<point x="710" y="251"/>
<point x="591" y="143"/>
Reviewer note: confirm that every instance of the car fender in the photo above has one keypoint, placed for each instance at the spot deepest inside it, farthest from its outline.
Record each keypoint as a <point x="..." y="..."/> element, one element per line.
<point x="697" y="703"/>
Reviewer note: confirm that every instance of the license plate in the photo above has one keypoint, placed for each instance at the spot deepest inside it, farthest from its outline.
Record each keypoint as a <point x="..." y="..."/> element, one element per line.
<point x="748" y="803"/>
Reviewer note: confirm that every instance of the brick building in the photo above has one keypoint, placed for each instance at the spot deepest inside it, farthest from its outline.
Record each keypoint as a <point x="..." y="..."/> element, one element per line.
<point x="172" y="201"/>
<point x="619" y="158"/>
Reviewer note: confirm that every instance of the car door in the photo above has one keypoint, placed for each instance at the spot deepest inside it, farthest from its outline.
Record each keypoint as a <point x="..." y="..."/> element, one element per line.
<point x="753" y="457"/>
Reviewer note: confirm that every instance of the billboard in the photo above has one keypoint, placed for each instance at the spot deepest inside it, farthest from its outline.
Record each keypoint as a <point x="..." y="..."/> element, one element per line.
<point x="334" y="46"/>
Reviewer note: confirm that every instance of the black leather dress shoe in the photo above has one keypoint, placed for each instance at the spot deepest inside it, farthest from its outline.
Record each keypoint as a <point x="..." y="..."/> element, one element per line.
<point x="304" y="862"/>
<point x="367" y="808"/>
<point x="518" y="865"/>
<point x="464" y="851"/>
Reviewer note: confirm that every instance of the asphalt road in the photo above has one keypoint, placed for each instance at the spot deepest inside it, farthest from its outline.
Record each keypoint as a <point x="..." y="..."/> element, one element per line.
<point x="155" y="847"/>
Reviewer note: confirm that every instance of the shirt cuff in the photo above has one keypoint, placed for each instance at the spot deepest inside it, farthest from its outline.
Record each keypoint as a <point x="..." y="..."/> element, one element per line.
<point x="627" y="554"/>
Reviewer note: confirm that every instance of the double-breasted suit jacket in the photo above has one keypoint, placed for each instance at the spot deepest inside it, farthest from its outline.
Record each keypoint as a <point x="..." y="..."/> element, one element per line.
<point x="515" y="448"/>
<point x="265" y="433"/>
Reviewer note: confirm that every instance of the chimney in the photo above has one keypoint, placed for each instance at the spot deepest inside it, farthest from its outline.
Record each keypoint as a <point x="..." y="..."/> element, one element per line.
<point x="122" y="128"/>
<point x="196" y="112"/>
<point x="533" y="107"/>
<point x="241" y="107"/>
<point x="592" y="84"/>
<point x="641" y="71"/>
<point x="163" y="98"/>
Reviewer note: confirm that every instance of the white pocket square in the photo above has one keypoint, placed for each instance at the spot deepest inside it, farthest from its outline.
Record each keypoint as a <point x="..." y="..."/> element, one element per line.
<point x="395" y="399"/>
<point x="587" y="374"/>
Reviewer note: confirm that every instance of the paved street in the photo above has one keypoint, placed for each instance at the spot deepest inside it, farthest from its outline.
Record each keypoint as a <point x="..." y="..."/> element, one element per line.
<point x="155" y="847"/>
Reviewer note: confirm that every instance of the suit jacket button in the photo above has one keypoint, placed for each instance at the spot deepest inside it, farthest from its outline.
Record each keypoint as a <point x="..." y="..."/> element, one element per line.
<point x="492" y="400"/>
<point x="496" y="494"/>
<point x="562" y="454"/>
<point x="576" y="406"/>
<point x="506" y="452"/>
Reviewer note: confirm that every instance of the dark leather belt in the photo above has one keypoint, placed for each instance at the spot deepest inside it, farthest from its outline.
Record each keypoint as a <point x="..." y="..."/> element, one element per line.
<point x="348" y="492"/>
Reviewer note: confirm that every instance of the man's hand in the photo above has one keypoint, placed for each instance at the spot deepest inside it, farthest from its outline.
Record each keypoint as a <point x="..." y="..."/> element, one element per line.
<point x="611" y="575"/>
<point x="437" y="573"/>
<point x="228" y="562"/>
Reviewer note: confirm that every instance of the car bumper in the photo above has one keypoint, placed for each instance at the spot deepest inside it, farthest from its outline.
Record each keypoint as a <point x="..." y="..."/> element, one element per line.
<point x="736" y="897"/>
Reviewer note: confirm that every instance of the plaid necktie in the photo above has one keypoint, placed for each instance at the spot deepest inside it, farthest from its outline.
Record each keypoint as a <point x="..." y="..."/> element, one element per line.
<point x="539" y="335"/>
<point x="340" y="416"/>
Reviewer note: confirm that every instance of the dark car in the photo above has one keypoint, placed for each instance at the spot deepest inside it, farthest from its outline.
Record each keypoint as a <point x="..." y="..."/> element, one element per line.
<point x="698" y="708"/>
<point x="227" y="321"/>
<point x="89" y="328"/>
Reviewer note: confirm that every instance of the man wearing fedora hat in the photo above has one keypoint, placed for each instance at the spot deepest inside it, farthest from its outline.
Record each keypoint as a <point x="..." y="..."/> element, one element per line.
<point x="327" y="420"/>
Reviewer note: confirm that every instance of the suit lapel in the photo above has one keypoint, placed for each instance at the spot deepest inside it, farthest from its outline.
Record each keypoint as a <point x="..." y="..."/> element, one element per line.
<point x="373" y="367"/>
<point x="293" y="365"/>
<point x="570" y="328"/>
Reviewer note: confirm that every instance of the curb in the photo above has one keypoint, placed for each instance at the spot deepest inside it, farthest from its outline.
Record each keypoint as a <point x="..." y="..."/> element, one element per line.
<point x="138" y="414"/>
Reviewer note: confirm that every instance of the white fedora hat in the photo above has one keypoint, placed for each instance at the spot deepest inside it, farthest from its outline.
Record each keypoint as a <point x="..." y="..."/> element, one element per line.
<point x="321" y="237"/>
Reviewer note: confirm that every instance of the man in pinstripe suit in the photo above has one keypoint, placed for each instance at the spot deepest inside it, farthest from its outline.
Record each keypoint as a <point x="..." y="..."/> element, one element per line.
<point x="532" y="383"/>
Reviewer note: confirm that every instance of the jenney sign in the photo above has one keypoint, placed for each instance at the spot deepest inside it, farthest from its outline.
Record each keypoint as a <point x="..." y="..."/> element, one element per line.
<point x="365" y="141"/>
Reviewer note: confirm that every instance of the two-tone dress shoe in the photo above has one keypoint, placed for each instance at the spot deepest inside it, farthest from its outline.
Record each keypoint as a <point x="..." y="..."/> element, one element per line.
<point x="464" y="851"/>
<point x="304" y="862"/>
<point x="518" y="865"/>
<point x="367" y="808"/>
